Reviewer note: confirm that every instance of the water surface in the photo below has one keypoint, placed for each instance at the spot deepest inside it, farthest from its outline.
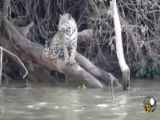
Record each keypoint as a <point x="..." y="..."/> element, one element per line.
<point x="50" y="103"/>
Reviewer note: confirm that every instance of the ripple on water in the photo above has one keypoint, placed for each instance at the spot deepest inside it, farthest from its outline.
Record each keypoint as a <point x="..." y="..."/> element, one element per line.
<point x="37" y="106"/>
<point x="98" y="97"/>
<point x="102" y="105"/>
<point x="56" y="107"/>
<point x="78" y="110"/>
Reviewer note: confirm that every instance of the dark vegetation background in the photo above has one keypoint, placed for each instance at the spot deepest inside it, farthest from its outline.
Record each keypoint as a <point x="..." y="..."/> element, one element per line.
<point x="140" y="21"/>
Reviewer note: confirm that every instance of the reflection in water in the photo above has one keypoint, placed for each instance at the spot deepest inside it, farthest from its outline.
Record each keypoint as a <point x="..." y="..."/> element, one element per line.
<point x="37" y="106"/>
<point x="120" y="108"/>
<point x="74" y="104"/>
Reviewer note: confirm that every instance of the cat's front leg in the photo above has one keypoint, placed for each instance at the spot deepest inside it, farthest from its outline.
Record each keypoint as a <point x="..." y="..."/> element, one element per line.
<point x="72" y="56"/>
<point x="66" y="56"/>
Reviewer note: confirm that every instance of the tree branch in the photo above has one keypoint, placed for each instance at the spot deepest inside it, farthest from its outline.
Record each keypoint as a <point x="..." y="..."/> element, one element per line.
<point x="119" y="47"/>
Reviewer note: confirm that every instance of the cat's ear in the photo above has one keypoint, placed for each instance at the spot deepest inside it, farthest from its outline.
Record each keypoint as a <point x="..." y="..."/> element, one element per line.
<point x="60" y="15"/>
<point x="69" y="16"/>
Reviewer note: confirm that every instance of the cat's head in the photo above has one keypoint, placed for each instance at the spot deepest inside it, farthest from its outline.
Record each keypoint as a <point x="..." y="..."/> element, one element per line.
<point x="66" y="23"/>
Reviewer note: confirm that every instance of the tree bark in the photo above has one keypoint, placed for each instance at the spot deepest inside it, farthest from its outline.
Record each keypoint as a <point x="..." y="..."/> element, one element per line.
<point x="80" y="71"/>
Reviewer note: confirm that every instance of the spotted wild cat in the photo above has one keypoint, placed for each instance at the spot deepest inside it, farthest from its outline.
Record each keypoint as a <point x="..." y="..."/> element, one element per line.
<point x="64" y="44"/>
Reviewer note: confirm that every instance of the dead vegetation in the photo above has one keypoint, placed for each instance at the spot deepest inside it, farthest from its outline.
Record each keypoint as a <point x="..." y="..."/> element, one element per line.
<point x="140" y="20"/>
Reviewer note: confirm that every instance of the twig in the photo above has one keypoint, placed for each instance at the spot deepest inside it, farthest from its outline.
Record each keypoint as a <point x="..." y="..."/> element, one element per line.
<point x="1" y="64"/>
<point x="15" y="56"/>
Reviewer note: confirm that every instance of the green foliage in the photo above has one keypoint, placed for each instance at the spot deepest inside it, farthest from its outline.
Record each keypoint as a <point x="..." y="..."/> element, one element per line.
<point x="148" y="69"/>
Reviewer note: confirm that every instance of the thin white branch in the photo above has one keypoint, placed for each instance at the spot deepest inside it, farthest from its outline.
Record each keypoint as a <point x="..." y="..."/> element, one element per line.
<point x="119" y="45"/>
<point x="18" y="59"/>
<point x="1" y="64"/>
<point x="118" y="38"/>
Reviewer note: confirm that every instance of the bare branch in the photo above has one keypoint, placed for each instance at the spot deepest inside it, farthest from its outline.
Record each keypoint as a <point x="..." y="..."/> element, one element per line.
<point x="119" y="47"/>
<point x="1" y="64"/>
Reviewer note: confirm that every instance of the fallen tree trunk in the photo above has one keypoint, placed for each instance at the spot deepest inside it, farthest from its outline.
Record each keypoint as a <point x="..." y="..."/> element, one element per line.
<point x="35" y="53"/>
<point x="99" y="73"/>
<point x="86" y="36"/>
